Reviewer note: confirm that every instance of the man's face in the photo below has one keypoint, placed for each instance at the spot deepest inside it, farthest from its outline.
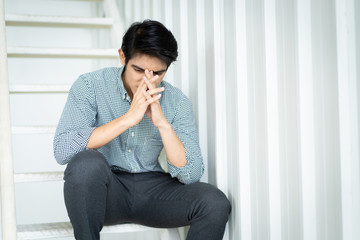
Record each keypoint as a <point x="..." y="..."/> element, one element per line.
<point x="135" y="70"/>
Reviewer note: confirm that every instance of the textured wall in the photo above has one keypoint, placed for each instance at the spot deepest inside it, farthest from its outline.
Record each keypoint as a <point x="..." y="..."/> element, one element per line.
<point x="276" y="91"/>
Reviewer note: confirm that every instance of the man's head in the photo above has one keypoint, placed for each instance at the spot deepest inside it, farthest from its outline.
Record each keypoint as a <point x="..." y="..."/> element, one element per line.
<point x="146" y="46"/>
<point x="150" y="38"/>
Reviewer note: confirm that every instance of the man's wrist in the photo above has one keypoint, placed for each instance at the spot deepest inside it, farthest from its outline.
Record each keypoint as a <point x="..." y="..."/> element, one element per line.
<point x="164" y="125"/>
<point x="127" y="120"/>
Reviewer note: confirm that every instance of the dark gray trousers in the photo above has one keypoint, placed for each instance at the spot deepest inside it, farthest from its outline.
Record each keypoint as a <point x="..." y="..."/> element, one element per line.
<point x="96" y="196"/>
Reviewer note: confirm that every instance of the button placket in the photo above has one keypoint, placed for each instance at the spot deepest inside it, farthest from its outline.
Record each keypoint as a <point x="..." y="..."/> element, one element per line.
<point x="131" y="140"/>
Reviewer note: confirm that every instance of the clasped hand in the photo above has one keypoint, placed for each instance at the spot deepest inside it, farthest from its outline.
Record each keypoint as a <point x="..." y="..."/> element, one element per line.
<point x="146" y="101"/>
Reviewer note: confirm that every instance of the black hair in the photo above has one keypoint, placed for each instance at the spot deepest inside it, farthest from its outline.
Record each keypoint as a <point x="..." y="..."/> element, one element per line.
<point x="151" y="38"/>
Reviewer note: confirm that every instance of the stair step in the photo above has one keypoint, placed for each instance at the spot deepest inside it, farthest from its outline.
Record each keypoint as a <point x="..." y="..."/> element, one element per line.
<point x="38" y="177"/>
<point x="34" y="20"/>
<point x="84" y="0"/>
<point x="61" y="52"/>
<point x="33" y="129"/>
<point x="64" y="229"/>
<point x="17" y="88"/>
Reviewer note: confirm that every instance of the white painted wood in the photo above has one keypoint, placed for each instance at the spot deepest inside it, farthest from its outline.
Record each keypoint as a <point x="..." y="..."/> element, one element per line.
<point x="272" y="119"/>
<point x="220" y="101"/>
<point x="34" y="20"/>
<point x="61" y="52"/>
<point x="137" y="11"/>
<point x="117" y="30"/>
<point x="8" y="218"/>
<point x="64" y="229"/>
<point x="33" y="129"/>
<point x="243" y="211"/>
<point x="220" y="110"/>
<point x="168" y="20"/>
<point x="85" y="0"/>
<point x="146" y="9"/>
<point x="348" y="81"/>
<point x="202" y="81"/>
<point x="307" y="133"/>
<point x="39" y="88"/>
<point x="184" y="47"/>
<point x="156" y="10"/>
<point x="169" y="235"/>
<point x="38" y="177"/>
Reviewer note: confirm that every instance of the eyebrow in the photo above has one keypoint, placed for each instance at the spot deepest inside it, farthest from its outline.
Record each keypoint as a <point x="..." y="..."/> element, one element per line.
<point x="156" y="72"/>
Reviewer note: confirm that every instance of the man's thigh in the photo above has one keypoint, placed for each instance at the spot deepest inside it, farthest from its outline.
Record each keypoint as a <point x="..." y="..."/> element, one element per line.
<point x="119" y="199"/>
<point x="162" y="201"/>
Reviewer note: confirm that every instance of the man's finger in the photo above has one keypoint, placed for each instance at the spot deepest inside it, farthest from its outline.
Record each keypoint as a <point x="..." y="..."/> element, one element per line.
<point x="150" y="99"/>
<point x="138" y="94"/>
<point x="150" y="76"/>
<point x="155" y="91"/>
<point x="140" y="87"/>
<point x="149" y="84"/>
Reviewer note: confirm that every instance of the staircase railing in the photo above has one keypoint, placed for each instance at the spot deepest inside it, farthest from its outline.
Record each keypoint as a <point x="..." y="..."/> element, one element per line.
<point x="8" y="217"/>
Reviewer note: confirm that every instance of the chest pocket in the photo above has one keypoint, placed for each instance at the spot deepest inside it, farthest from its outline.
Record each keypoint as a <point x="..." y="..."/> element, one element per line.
<point x="150" y="151"/>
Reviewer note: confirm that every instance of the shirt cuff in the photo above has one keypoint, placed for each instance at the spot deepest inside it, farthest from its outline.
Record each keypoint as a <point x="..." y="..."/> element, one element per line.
<point x="81" y="139"/>
<point x="181" y="173"/>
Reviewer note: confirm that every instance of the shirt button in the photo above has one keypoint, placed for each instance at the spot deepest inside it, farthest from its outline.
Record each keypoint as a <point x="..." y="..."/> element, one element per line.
<point x="132" y="134"/>
<point x="129" y="150"/>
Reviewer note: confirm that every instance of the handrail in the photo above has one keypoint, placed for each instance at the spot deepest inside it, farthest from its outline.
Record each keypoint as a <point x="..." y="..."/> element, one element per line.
<point x="8" y="217"/>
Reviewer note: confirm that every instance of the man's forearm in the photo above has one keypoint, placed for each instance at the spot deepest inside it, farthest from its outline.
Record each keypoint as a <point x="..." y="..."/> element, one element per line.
<point x="174" y="149"/>
<point x="107" y="132"/>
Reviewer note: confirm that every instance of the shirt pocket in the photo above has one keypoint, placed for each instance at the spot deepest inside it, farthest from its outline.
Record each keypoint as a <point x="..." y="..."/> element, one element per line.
<point x="150" y="151"/>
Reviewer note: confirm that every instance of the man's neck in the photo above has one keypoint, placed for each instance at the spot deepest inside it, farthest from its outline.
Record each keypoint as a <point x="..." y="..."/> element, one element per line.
<point x="126" y="86"/>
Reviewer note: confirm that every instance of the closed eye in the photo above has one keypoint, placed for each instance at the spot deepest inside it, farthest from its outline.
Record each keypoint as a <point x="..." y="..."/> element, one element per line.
<point x="159" y="73"/>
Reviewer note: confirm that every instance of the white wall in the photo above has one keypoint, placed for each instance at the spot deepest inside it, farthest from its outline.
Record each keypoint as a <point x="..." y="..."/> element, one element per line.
<point x="276" y="91"/>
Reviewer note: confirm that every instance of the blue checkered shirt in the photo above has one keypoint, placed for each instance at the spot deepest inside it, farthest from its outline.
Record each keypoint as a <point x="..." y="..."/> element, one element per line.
<point x="98" y="97"/>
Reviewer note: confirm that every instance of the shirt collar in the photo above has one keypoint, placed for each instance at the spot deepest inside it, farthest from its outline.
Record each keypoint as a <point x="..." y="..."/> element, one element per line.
<point x="123" y="92"/>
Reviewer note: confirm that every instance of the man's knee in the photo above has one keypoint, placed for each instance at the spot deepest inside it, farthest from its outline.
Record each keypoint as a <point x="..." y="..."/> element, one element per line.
<point x="86" y="165"/>
<point x="214" y="204"/>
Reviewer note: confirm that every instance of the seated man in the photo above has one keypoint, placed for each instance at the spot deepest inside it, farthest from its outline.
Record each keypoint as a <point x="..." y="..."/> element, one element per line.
<point x="112" y="129"/>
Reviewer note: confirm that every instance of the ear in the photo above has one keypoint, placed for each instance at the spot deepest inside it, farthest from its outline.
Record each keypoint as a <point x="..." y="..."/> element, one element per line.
<point x="122" y="57"/>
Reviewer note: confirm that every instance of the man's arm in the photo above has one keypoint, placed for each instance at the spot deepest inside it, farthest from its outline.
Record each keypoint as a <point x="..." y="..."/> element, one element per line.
<point x="174" y="149"/>
<point x="180" y="138"/>
<point x="107" y="132"/>
<point x="77" y="121"/>
<point x="76" y="130"/>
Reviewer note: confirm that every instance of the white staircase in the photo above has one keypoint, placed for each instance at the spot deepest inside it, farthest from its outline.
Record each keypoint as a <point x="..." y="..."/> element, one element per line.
<point x="36" y="127"/>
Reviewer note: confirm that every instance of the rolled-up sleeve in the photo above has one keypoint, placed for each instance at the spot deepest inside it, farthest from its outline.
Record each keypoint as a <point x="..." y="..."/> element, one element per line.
<point x="185" y="128"/>
<point x="76" y="122"/>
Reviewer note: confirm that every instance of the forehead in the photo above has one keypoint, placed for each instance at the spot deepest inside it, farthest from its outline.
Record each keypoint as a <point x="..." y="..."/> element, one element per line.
<point x="148" y="62"/>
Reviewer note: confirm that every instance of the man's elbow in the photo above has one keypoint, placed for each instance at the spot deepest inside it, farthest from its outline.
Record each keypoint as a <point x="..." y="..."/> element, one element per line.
<point x="192" y="177"/>
<point x="60" y="154"/>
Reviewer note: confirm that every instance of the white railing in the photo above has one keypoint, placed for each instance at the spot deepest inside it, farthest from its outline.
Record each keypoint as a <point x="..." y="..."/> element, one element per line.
<point x="8" y="220"/>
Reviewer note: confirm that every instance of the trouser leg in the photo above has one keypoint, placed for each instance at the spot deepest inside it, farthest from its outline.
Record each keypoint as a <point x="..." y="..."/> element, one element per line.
<point x="161" y="201"/>
<point x="95" y="196"/>
<point x="92" y="192"/>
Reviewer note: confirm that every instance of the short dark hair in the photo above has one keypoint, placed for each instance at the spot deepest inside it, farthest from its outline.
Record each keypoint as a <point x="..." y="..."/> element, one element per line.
<point x="151" y="38"/>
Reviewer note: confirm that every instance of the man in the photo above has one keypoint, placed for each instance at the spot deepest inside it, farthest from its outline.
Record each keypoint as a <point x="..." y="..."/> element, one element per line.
<point x="113" y="127"/>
